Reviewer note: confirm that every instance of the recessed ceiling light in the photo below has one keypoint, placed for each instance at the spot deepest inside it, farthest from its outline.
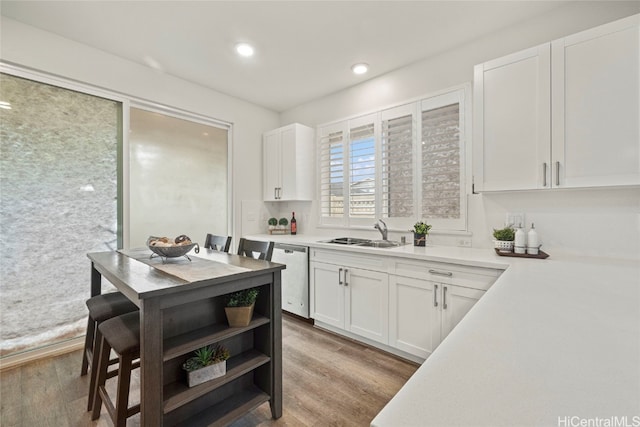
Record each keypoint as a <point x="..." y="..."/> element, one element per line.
<point x="360" y="68"/>
<point x="244" y="49"/>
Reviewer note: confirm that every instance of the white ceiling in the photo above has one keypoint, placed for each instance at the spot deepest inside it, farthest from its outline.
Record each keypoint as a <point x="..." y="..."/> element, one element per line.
<point x="304" y="49"/>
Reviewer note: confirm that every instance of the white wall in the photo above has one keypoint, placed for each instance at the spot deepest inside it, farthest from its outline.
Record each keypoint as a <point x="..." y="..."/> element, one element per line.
<point x="30" y="47"/>
<point x="602" y="222"/>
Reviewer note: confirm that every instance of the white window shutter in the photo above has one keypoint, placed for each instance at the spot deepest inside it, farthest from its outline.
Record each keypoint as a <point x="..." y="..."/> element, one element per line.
<point x="332" y="171"/>
<point x="398" y="134"/>
<point x="362" y="168"/>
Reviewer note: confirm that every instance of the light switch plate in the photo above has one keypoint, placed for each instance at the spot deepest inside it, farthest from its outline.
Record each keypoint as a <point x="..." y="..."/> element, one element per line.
<point x="515" y="219"/>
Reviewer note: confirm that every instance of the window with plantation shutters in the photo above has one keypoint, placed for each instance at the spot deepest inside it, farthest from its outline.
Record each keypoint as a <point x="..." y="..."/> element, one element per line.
<point x="397" y="165"/>
<point x="404" y="164"/>
<point x="332" y="173"/>
<point x="362" y="171"/>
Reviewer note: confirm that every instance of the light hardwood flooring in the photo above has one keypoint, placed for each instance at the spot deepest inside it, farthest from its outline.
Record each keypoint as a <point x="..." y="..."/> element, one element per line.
<point x="327" y="381"/>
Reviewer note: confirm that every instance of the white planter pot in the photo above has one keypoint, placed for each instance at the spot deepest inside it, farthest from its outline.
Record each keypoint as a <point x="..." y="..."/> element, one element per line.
<point x="504" y="246"/>
<point x="207" y="373"/>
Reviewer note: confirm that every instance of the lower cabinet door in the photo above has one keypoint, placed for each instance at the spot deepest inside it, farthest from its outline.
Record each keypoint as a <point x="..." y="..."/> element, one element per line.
<point x="327" y="293"/>
<point x="367" y="304"/>
<point x="456" y="303"/>
<point x="414" y="315"/>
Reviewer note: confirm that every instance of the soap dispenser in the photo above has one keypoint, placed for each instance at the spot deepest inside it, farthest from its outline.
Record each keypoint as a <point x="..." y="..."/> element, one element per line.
<point x="520" y="241"/>
<point x="532" y="241"/>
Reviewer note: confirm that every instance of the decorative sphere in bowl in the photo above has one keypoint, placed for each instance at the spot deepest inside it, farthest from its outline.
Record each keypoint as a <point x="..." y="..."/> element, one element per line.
<point x="168" y="248"/>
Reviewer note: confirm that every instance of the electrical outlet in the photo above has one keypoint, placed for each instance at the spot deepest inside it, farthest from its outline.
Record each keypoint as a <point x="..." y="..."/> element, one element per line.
<point x="515" y="219"/>
<point x="464" y="243"/>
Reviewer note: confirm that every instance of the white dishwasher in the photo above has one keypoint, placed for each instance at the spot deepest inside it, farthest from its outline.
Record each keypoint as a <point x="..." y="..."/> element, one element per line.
<point x="295" y="278"/>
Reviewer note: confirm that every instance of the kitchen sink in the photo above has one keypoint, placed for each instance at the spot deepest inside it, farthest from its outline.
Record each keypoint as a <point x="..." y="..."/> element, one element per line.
<point x="381" y="244"/>
<point x="364" y="242"/>
<point x="348" y="241"/>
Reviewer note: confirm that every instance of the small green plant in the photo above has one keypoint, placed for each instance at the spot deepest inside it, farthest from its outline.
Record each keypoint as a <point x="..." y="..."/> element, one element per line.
<point x="283" y="221"/>
<point x="242" y="298"/>
<point x="506" y="234"/>
<point x="206" y="356"/>
<point x="273" y="221"/>
<point x="421" y="227"/>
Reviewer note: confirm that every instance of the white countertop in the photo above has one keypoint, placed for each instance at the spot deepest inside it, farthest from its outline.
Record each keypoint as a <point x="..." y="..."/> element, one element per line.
<point x="551" y="340"/>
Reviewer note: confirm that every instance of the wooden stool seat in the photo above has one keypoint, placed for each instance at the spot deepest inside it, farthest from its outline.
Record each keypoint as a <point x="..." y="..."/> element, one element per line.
<point x="105" y="306"/>
<point x="122" y="335"/>
<point x="101" y="307"/>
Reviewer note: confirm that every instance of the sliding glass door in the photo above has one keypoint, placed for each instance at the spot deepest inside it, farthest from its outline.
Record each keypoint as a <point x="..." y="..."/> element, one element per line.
<point x="178" y="177"/>
<point x="59" y="200"/>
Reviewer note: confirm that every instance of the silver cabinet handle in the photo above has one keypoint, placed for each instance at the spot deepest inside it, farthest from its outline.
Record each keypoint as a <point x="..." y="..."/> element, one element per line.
<point x="557" y="174"/>
<point x="544" y="174"/>
<point x="345" y="277"/>
<point x="444" y="297"/>
<point x="339" y="276"/>
<point x="279" y="195"/>
<point x="441" y="273"/>
<point x="275" y="192"/>
<point x="435" y="295"/>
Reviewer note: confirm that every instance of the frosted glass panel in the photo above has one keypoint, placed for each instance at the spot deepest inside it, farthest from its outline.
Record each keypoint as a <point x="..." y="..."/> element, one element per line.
<point x="178" y="178"/>
<point x="58" y="172"/>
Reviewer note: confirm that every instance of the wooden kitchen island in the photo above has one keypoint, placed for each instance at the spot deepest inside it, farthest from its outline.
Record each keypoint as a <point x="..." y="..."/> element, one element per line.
<point x="181" y="310"/>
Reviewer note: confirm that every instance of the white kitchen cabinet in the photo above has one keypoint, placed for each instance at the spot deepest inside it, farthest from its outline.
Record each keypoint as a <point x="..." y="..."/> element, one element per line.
<point x="288" y="170"/>
<point x="351" y="299"/>
<point x="456" y="302"/>
<point x="512" y="121"/>
<point x="350" y="292"/>
<point x="414" y="320"/>
<point x="595" y="78"/>
<point x="563" y="114"/>
<point x="428" y="299"/>
<point x="327" y="294"/>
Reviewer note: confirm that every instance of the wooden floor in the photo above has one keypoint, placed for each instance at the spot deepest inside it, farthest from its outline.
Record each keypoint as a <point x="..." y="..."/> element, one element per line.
<point x="327" y="381"/>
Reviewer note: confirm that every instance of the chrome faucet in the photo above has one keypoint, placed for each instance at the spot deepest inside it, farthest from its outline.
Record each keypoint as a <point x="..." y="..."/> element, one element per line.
<point x="382" y="230"/>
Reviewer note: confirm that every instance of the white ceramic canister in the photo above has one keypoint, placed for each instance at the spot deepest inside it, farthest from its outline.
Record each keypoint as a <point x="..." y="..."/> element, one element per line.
<point x="520" y="241"/>
<point x="532" y="241"/>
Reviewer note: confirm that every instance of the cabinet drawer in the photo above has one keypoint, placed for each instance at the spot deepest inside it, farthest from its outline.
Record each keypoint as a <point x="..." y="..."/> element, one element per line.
<point x="454" y="274"/>
<point x="349" y="259"/>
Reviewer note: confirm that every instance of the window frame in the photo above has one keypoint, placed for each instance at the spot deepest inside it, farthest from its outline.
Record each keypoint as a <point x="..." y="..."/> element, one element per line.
<point x="460" y="94"/>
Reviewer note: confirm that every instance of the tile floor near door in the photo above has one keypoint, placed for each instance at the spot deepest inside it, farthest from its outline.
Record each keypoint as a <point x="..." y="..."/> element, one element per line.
<point x="327" y="381"/>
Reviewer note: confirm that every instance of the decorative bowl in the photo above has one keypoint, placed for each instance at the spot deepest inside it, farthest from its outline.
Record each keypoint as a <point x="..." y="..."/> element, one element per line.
<point x="171" y="251"/>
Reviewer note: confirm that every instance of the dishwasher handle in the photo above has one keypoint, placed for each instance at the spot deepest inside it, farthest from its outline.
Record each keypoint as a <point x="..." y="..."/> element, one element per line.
<point x="287" y="248"/>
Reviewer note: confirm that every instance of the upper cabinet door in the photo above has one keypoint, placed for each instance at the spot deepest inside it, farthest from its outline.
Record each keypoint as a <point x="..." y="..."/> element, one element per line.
<point x="596" y="106"/>
<point x="512" y="117"/>
<point x="288" y="167"/>
<point x="288" y="163"/>
<point x="271" y="165"/>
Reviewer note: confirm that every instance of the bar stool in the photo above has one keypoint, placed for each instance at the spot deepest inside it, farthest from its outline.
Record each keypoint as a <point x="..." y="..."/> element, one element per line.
<point x="122" y="335"/>
<point x="101" y="307"/>
<point x="250" y="248"/>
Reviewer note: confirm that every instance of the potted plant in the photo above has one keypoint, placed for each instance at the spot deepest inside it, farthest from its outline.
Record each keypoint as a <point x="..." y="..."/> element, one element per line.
<point x="420" y="233"/>
<point x="504" y="238"/>
<point x="207" y="363"/>
<point x="272" y="223"/>
<point x="282" y="223"/>
<point x="239" y="307"/>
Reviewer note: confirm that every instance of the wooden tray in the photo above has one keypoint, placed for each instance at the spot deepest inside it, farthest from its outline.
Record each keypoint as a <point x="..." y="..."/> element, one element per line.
<point x="541" y="254"/>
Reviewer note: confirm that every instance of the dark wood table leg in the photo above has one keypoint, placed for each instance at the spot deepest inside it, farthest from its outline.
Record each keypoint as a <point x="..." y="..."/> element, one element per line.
<point x="276" y="346"/>
<point x="96" y="281"/>
<point x="151" y="363"/>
